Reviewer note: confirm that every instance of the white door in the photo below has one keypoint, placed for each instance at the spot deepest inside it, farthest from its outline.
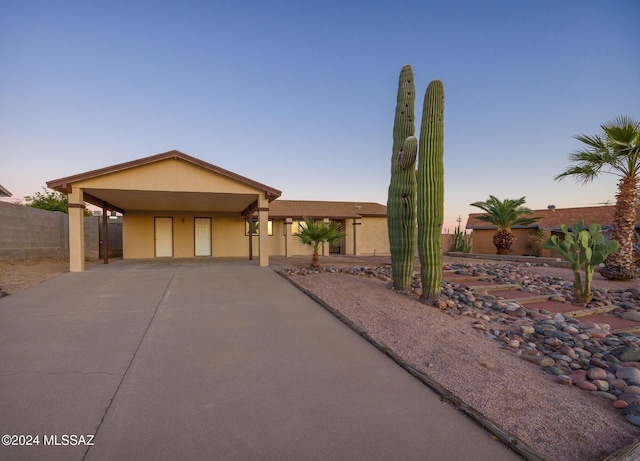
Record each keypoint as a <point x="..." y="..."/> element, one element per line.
<point x="203" y="236"/>
<point x="164" y="237"/>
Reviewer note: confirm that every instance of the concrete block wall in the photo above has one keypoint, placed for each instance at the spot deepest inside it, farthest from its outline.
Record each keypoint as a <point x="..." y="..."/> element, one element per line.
<point x="92" y="237"/>
<point x="30" y="233"/>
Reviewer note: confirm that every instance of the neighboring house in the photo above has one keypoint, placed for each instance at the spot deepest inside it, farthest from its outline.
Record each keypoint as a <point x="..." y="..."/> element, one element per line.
<point x="4" y="192"/>
<point x="549" y="224"/>
<point x="175" y="205"/>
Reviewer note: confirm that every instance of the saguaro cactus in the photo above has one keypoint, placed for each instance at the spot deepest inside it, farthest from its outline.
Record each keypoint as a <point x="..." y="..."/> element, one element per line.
<point x="431" y="192"/>
<point x="401" y="202"/>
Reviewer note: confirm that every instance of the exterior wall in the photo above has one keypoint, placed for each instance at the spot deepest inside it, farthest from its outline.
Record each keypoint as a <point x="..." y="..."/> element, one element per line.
<point x="483" y="242"/>
<point x="92" y="237"/>
<point x="27" y="233"/>
<point x="228" y="237"/>
<point x="372" y="237"/>
<point x="31" y="233"/>
<point x="172" y="174"/>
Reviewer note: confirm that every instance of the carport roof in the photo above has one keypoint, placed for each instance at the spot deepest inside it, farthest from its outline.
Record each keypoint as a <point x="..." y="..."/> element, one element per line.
<point x="181" y="199"/>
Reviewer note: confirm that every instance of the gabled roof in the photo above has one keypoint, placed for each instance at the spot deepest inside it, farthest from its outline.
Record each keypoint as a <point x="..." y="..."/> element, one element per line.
<point x="4" y="192"/>
<point x="321" y="209"/>
<point x="551" y="218"/>
<point x="62" y="183"/>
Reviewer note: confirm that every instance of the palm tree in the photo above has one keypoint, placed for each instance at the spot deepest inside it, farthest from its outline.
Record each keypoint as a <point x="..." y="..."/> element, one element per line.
<point x="315" y="233"/>
<point x="616" y="150"/>
<point x="505" y="214"/>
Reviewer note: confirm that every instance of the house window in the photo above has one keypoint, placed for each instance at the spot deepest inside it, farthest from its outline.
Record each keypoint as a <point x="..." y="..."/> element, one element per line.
<point x="295" y="227"/>
<point x="255" y="226"/>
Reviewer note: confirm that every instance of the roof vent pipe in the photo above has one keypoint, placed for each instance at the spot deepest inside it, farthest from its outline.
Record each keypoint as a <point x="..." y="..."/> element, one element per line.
<point x="551" y="208"/>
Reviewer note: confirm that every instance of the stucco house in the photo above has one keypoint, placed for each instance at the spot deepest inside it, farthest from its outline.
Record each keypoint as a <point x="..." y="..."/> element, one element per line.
<point x="177" y="206"/>
<point x="548" y="224"/>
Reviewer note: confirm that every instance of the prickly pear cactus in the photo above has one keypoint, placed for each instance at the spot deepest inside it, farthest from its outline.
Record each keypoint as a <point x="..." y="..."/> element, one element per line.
<point x="431" y="192"/>
<point x="584" y="250"/>
<point x="401" y="202"/>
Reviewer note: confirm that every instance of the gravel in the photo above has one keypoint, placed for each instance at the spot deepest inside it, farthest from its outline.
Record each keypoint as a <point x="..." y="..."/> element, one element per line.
<point x="561" y="421"/>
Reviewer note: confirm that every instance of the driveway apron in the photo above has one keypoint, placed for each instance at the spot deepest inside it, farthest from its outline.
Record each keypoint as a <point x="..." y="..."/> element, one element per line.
<point x="208" y="359"/>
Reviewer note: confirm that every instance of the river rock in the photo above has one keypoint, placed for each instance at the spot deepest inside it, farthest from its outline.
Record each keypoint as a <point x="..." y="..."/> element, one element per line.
<point x="626" y="353"/>
<point x="629" y="374"/>
<point x="596" y="373"/>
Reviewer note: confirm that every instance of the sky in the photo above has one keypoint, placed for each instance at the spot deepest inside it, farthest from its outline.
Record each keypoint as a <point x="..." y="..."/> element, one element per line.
<point x="300" y="95"/>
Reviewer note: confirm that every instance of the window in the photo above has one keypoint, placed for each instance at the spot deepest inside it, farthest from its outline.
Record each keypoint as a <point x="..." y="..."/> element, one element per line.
<point x="256" y="226"/>
<point x="295" y="227"/>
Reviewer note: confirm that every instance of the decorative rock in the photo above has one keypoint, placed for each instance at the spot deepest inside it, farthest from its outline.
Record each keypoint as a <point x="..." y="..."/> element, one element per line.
<point x="620" y="404"/>
<point x="605" y="395"/>
<point x="555" y="371"/>
<point x="601" y="384"/>
<point x="630" y="398"/>
<point x="626" y="353"/>
<point x="632" y="390"/>
<point x="596" y="373"/>
<point x="586" y="385"/>
<point x="564" y="379"/>
<point x="578" y="375"/>
<point x="539" y="359"/>
<point x="596" y="362"/>
<point x="629" y="374"/>
<point x="632" y="409"/>
<point x="527" y="329"/>
<point x="514" y="344"/>
<point x="597" y="332"/>
<point x="633" y="419"/>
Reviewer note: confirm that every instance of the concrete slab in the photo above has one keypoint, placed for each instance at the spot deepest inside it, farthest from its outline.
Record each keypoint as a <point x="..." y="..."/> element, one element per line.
<point x="209" y="359"/>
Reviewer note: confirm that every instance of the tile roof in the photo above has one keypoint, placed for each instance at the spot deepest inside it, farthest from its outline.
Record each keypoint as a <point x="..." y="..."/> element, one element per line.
<point x="4" y="192"/>
<point x="321" y="209"/>
<point x="552" y="218"/>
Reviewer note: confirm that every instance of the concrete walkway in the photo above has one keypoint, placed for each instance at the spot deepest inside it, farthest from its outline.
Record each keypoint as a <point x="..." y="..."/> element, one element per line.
<point x="208" y="359"/>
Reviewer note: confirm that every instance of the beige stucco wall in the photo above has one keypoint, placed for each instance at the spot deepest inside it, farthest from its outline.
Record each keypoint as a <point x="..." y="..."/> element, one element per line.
<point x="167" y="175"/>
<point x="228" y="237"/>
<point x="372" y="236"/>
<point x="227" y="234"/>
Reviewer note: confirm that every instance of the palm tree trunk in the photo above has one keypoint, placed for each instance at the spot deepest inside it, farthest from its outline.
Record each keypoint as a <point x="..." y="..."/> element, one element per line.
<point x="503" y="239"/>
<point x="314" y="261"/>
<point x="620" y="265"/>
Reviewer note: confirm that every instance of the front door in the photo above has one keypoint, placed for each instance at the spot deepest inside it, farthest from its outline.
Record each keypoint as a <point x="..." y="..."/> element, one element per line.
<point x="203" y="236"/>
<point x="164" y="237"/>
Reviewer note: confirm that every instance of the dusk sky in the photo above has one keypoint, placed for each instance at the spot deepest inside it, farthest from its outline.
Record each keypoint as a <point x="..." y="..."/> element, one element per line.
<point x="300" y="95"/>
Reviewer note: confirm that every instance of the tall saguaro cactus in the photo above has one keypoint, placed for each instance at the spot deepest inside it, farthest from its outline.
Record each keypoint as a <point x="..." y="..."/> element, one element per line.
<point x="401" y="202"/>
<point x="431" y="192"/>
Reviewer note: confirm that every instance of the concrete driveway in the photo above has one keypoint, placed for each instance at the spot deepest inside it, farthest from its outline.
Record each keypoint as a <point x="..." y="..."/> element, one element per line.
<point x="207" y="359"/>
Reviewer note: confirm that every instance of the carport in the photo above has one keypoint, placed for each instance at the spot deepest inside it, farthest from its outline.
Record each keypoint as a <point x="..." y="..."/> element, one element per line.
<point x="173" y="205"/>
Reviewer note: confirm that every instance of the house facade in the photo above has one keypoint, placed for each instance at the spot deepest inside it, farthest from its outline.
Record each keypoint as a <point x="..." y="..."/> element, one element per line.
<point x="549" y="223"/>
<point x="177" y="206"/>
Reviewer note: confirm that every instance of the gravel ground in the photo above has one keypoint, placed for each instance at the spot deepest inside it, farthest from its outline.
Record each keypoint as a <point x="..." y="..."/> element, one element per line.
<point x="562" y="423"/>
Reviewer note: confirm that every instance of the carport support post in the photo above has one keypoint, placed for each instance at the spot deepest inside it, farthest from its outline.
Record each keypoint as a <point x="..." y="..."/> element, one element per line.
<point x="356" y="222"/>
<point x="105" y="235"/>
<point x="288" y="237"/>
<point x="76" y="230"/>
<point x="263" y="235"/>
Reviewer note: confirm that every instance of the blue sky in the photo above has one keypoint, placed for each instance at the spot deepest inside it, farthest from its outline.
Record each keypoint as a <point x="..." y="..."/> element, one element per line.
<point x="300" y="95"/>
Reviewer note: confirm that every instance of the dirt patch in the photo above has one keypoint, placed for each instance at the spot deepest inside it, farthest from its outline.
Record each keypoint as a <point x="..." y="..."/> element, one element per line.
<point x="17" y="275"/>
<point x="21" y="274"/>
